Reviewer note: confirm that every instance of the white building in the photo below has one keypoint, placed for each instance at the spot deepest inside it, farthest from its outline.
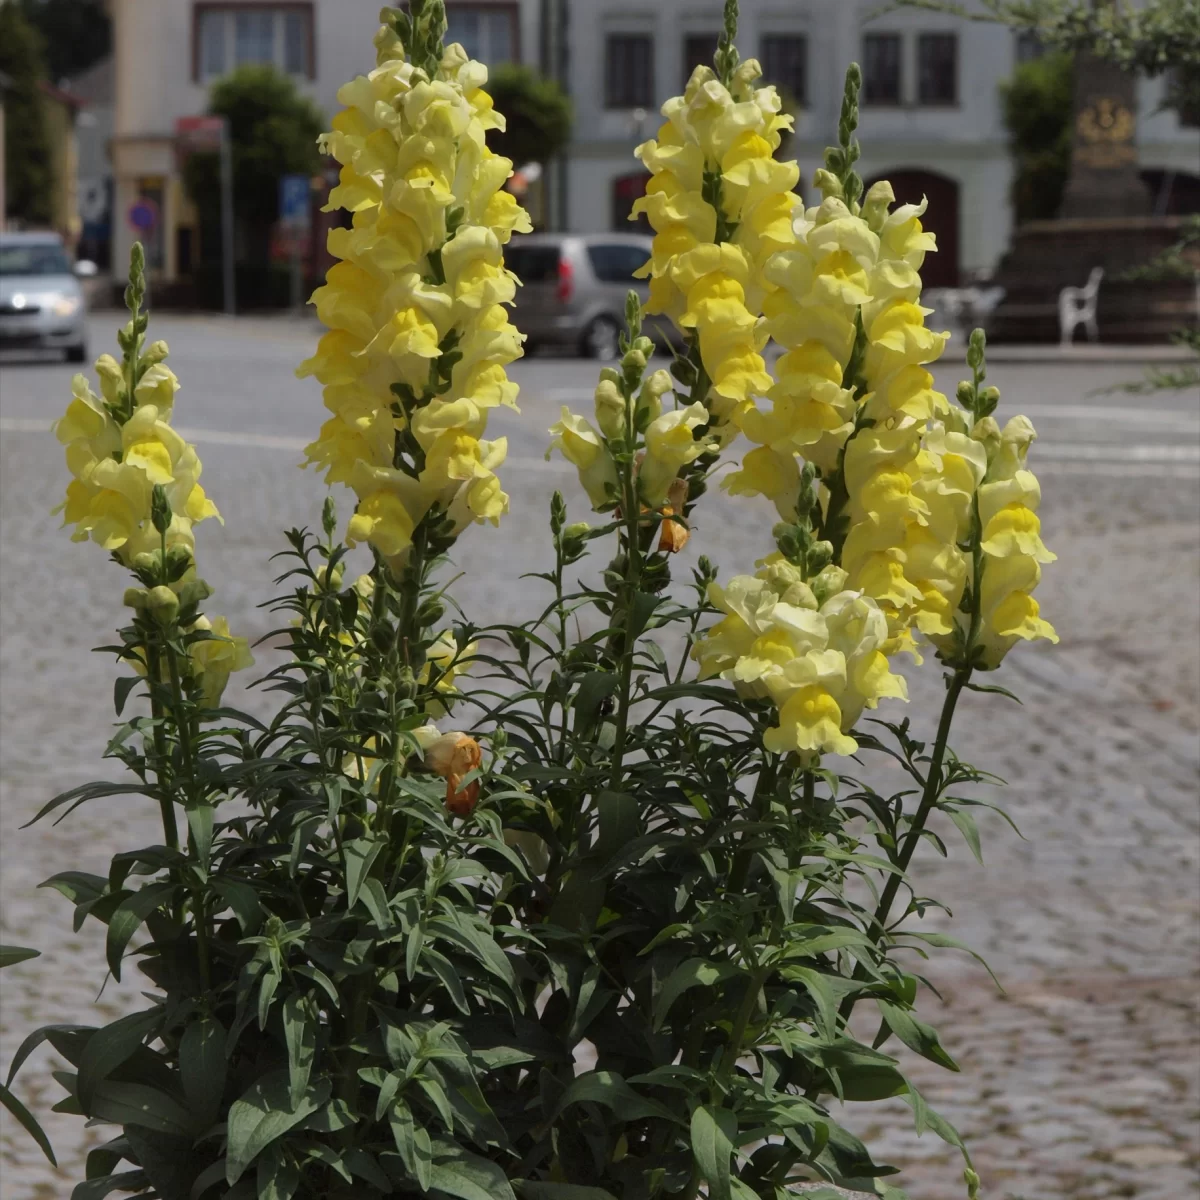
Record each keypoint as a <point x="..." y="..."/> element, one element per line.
<point x="931" y="116"/>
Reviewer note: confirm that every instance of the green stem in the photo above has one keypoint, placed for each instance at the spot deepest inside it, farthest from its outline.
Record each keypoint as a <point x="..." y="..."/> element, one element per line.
<point x="929" y="797"/>
<point x="183" y="725"/>
<point x="633" y="574"/>
<point x="162" y="768"/>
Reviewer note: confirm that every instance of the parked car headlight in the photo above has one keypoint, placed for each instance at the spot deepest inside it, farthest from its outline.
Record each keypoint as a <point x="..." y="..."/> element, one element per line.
<point x="65" y="306"/>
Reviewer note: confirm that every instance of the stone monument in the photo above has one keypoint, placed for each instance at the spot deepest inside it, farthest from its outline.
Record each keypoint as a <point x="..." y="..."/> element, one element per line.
<point x="1104" y="222"/>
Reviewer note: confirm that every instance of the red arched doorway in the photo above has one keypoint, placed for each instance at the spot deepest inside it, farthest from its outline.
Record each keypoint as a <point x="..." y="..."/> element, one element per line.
<point x="625" y="190"/>
<point x="941" y="218"/>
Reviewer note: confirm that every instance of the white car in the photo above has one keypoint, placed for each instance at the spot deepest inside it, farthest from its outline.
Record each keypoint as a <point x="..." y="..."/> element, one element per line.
<point x="41" y="303"/>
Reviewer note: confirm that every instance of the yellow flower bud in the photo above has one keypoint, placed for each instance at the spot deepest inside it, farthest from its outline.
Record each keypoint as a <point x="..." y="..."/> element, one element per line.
<point x="610" y="410"/>
<point x="162" y="604"/>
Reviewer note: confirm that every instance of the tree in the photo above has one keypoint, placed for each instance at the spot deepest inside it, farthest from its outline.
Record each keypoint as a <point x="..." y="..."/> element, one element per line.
<point x="1151" y="38"/>
<point x="76" y="33"/>
<point x="538" y="113"/>
<point x="274" y="131"/>
<point x="1037" y="113"/>
<point x="28" y="165"/>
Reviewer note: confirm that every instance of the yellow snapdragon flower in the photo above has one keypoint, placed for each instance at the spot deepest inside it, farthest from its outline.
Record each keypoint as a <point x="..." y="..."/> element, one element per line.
<point x="1012" y="548"/>
<point x="119" y="448"/>
<point x="417" y="299"/>
<point x="116" y="458"/>
<point x="585" y="449"/>
<point x="720" y="206"/>
<point x="820" y="663"/>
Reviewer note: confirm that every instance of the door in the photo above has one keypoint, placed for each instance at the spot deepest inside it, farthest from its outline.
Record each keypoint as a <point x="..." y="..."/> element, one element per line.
<point x="941" y="219"/>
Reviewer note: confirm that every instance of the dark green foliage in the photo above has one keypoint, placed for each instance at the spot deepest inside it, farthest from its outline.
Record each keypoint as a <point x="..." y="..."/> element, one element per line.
<point x="274" y="130"/>
<point x="28" y="166"/>
<point x="1038" y="105"/>
<point x="537" y="112"/>
<point x="76" y="33"/>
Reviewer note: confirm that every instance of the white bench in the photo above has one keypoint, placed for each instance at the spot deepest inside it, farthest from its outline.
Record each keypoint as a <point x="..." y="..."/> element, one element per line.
<point x="964" y="307"/>
<point x="1077" y="306"/>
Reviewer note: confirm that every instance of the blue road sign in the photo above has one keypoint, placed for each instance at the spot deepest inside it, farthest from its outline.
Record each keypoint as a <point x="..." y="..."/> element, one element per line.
<point x="294" y="200"/>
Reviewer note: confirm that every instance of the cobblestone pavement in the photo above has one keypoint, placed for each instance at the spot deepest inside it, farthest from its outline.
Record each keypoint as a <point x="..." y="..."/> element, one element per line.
<point x="1081" y="1083"/>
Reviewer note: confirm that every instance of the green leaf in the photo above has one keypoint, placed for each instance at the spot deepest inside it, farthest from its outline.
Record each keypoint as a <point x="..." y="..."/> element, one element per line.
<point x="375" y="901"/>
<point x="360" y="856"/>
<point x="817" y="986"/>
<point x="618" y="814"/>
<point x="138" y="1104"/>
<point x="276" y="1178"/>
<point x="263" y="1114"/>
<point x="469" y="1177"/>
<point x="644" y="605"/>
<point x="300" y="1030"/>
<point x="200" y="822"/>
<point x="593" y="690"/>
<point x="97" y="1189"/>
<point x="243" y="899"/>
<point x="202" y="1069"/>
<point x="694" y="972"/>
<point x="532" y="1190"/>
<point x="967" y="827"/>
<point x="611" y="1090"/>
<point x="416" y="1150"/>
<point x="946" y="941"/>
<point x="128" y="918"/>
<point x="121" y="689"/>
<point x="31" y="1043"/>
<point x="713" y="1133"/>
<point x="109" y="1047"/>
<point x="916" y="1035"/>
<point x="27" y="1122"/>
<point x="11" y="955"/>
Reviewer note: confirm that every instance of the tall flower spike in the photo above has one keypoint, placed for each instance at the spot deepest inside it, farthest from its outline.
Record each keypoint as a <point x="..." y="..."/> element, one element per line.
<point x="720" y="206"/>
<point x="135" y="487"/>
<point x="419" y="336"/>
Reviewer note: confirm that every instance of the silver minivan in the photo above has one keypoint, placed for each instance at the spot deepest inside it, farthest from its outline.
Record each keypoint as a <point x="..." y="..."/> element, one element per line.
<point x="41" y="303"/>
<point x="574" y="288"/>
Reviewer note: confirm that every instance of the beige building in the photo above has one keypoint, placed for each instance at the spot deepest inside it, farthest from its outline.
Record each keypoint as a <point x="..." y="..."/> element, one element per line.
<point x="168" y="52"/>
<point x="931" y="118"/>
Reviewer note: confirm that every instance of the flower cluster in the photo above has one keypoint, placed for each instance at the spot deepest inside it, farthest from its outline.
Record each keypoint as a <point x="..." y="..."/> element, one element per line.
<point x="720" y="205"/>
<point x="1011" y="548"/>
<point x="135" y="490"/>
<point x="667" y="440"/>
<point x="815" y="650"/>
<point x="419" y="335"/>
<point x="119" y="445"/>
<point x="847" y="271"/>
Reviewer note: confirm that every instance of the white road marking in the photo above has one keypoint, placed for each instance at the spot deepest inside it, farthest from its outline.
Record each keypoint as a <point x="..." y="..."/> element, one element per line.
<point x="1083" y="458"/>
<point x="1105" y="414"/>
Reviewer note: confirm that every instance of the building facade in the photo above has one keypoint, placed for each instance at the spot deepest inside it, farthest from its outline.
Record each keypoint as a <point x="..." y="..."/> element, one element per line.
<point x="168" y="52"/>
<point x="931" y="118"/>
<point x="931" y="115"/>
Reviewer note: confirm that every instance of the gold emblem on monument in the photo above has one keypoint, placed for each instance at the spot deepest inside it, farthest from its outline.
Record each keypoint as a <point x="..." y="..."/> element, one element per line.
<point x="1105" y="135"/>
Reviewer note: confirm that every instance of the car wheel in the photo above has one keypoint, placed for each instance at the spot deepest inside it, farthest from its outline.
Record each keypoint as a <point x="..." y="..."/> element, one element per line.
<point x="77" y="354"/>
<point x="602" y="339"/>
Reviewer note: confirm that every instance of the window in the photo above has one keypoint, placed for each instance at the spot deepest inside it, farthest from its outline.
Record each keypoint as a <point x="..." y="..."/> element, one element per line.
<point x="616" y="264"/>
<point x="232" y="35"/>
<point x="698" y="50"/>
<point x="628" y="70"/>
<point x="784" y="59"/>
<point x="487" y="32"/>
<point x="937" y="68"/>
<point x="881" y="68"/>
